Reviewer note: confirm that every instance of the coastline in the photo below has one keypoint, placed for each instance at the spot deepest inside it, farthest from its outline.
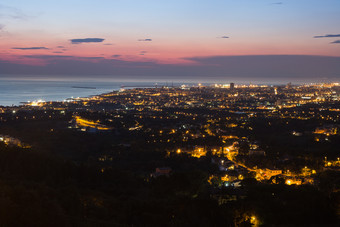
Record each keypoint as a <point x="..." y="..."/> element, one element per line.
<point x="14" y="92"/>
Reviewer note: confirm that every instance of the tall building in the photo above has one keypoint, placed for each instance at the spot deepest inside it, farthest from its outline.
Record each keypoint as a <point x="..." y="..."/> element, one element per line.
<point x="232" y="85"/>
<point x="289" y="85"/>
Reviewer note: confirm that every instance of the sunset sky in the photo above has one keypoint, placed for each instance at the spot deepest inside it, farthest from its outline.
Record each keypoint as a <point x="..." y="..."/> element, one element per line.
<point x="216" y="38"/>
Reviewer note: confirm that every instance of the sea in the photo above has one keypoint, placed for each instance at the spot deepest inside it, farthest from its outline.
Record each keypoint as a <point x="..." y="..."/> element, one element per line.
<point x="15" y="92"/>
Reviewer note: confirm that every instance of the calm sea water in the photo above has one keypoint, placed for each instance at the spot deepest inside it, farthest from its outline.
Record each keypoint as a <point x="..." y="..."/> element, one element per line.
<point x="13" y="92"/>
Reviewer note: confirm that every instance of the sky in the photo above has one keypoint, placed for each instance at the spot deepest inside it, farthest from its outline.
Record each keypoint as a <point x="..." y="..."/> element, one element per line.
<point x="157" y="39"/>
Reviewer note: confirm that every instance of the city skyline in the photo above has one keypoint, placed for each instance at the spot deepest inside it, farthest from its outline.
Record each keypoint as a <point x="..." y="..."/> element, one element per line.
<point x="212" y="40"/>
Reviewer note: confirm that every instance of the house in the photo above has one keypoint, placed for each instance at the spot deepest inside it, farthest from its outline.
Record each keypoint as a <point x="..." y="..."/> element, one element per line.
<point x="257" y="153"/>
<point x="162" y="171"/>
